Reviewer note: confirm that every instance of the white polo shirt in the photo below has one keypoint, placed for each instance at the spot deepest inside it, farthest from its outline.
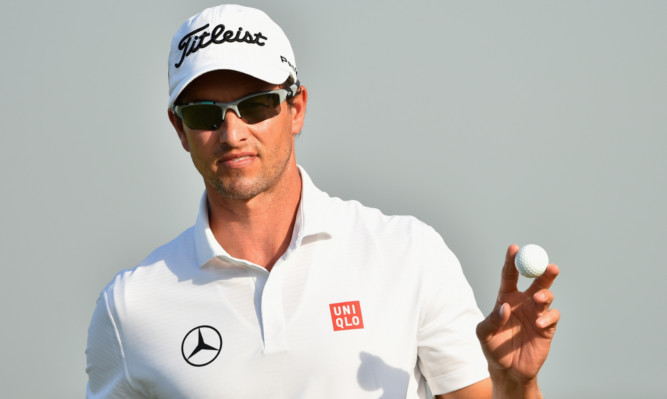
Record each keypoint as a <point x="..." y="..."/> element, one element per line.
<point x="361" y="305"/>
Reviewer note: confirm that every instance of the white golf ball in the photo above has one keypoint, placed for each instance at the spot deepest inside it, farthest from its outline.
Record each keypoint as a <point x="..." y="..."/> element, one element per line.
<point x="531" y="260"/>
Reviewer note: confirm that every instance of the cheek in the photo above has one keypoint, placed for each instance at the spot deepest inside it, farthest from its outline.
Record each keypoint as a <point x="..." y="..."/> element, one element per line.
<point x="201" y="142"/>
<point x="278" y="143"/>
<point x="279" y="133"/>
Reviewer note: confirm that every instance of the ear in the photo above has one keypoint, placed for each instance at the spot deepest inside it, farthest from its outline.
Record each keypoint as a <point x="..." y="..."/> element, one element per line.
<point x="177" y="123"/>
<point x="299" y="110"/>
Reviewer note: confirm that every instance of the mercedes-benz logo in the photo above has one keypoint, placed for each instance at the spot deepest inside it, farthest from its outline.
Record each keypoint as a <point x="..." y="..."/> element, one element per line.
<point x="201" y="346"/>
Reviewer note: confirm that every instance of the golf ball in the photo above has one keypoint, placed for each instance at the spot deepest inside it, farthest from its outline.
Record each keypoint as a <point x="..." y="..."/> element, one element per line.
<point x="531" y="260"/>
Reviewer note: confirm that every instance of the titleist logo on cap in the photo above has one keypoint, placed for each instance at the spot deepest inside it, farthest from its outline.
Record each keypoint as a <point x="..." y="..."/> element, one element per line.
<point x="201" y="38"/>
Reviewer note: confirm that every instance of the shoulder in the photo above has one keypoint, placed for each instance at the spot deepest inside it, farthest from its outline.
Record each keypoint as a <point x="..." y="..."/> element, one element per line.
<point x="351" y="215"/>
<point x="134" y="301"/>
<point x="181" y="246"/>
<point x="172" y="261"/>
<point x="129" y="314"/>
<point x="402" y="245"/>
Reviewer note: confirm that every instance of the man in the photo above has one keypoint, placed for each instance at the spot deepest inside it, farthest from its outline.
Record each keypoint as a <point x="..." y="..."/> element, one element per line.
<point x="281" y="291"/>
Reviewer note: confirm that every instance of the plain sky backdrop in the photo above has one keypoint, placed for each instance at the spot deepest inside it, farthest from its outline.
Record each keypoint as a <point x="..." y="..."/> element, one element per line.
<point x="495" y="122"/>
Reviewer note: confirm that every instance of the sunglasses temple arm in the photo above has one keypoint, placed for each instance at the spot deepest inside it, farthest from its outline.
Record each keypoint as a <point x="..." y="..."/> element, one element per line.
<point x="293" y="89"/>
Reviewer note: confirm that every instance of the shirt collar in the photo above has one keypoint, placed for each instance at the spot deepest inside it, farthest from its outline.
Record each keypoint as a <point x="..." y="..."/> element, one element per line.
<point x="312" y="221"/>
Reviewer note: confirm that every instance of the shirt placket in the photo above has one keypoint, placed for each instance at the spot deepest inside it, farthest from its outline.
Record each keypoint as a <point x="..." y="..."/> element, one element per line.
<point x="273" y="311"/>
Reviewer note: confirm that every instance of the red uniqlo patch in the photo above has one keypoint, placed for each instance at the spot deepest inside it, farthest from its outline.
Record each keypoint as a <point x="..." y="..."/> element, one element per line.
<point x="346" y="316"/>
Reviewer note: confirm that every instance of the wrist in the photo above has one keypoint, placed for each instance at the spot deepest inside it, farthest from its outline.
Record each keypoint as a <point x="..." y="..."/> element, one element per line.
<point x="505" y="387"/>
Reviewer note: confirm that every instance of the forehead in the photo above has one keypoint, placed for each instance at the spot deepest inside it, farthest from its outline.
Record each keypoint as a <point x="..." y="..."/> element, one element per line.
<point x="223" y="86"/>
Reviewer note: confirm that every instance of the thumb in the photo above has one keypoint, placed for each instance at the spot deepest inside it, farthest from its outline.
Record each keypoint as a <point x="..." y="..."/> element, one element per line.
<point x="487" y="328"/>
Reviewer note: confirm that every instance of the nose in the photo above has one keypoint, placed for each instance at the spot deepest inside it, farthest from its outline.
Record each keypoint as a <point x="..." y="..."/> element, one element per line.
<point x="233" y="130"/>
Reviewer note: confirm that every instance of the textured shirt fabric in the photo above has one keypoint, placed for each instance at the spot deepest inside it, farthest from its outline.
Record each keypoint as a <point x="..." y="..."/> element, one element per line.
<point x="361" y="305"/>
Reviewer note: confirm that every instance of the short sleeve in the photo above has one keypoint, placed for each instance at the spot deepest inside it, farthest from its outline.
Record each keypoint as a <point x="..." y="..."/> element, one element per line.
<point x="449" y="354"/>
<point x="106" y="367"/>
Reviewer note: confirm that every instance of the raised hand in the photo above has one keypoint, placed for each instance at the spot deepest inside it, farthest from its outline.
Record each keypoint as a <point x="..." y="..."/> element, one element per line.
<point x="516" y="336"/>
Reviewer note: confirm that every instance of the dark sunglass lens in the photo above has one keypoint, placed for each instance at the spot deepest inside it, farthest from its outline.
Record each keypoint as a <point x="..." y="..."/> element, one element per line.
<point x="258" y="108"/>
<point x="202" y="116"/>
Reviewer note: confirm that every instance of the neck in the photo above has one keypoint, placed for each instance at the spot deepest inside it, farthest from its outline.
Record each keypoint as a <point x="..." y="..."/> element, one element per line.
<point x="259" y="229"/>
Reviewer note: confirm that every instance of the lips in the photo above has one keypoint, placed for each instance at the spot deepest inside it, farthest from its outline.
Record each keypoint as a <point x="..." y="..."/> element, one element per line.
<point x="238" y="160"/>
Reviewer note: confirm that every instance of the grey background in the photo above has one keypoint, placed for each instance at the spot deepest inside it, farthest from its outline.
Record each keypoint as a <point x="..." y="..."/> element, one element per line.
<point x="495" y="122"/>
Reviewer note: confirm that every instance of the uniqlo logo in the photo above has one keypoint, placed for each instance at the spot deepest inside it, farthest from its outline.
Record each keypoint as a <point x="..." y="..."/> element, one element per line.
<point x="346" y="316"/>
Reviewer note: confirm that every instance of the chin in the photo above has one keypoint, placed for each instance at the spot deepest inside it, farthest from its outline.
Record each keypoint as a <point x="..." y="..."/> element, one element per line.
<point x="241" y="191"/>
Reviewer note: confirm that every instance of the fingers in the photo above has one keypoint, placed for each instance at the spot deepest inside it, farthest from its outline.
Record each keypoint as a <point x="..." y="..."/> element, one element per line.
<point x="548" y="320"/>
<point x="546" y="317"/>
<point x="545" y="280"/>
<point x="509" y="276"/>
<point x="494" y="321"/>
<point x="543" y="300"/>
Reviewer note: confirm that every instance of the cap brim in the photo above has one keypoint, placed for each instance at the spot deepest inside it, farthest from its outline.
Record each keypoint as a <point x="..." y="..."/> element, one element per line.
<point x="274" y="76"/>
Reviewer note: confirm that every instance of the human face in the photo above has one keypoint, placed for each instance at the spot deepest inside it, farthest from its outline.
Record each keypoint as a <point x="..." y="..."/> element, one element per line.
<point x="238" y="160"/>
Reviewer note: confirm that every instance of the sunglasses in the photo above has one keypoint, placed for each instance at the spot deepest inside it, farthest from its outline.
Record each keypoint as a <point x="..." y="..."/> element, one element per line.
<point x="254" y="108"/>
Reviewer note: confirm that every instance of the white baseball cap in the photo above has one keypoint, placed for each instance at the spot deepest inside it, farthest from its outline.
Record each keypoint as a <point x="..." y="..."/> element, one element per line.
<point x="230" y="37"/>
